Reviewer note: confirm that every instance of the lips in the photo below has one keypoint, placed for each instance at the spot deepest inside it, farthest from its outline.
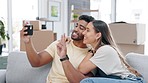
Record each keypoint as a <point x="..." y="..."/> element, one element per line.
<point x="84" y="40"/>
<point x="74" y="34"/>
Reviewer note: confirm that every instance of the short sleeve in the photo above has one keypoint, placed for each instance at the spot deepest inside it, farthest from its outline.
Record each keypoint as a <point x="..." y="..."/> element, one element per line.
<point x="51" y="49"/>
<point x="105" y="58"/>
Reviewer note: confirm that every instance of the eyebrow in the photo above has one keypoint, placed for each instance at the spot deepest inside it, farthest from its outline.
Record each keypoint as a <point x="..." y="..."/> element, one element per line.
<point x="82" y="26"/>
<point x="86" y="27"/>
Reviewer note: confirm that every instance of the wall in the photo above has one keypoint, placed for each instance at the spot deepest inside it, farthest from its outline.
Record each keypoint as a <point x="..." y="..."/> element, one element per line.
<point x="78" y="5"/>
<point x="61" y="26"/>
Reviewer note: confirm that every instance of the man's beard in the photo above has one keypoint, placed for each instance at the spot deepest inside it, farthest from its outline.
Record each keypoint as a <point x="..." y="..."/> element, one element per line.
<point x="79" y="36"/>
<point x="77" y="39"/>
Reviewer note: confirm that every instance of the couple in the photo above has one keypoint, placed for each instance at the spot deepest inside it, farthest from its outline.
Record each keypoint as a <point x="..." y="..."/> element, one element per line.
<point x="73" y="61"/>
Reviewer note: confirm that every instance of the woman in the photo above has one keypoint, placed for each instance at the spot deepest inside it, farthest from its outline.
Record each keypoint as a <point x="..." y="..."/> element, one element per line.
<point x="104" y="56"/>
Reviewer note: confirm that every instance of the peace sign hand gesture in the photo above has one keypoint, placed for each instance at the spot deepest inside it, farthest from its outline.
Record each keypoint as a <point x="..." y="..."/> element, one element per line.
<point x="61" y="47"/>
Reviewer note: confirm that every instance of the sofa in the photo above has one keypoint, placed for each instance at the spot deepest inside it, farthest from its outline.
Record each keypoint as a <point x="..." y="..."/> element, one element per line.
<point x="19" y="70"/>
<point x="139" y="62"/>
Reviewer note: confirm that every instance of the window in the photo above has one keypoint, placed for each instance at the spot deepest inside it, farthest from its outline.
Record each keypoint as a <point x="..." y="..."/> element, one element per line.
<point x="133" y="11"/>
<point x="105" y="10"/>
<point x="21" y="10"/>
<point x="3" y="17"/>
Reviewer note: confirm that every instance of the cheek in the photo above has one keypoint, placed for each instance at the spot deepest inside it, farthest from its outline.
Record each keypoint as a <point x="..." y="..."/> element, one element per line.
<point x="89" y="38"/>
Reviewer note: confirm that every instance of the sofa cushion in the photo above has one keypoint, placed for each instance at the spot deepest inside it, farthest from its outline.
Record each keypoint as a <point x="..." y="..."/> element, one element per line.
<point x="3" y="62"/>
<point x="139" y="62"/>
<point x="2" y="75"/>
<point x="19" y="70"/>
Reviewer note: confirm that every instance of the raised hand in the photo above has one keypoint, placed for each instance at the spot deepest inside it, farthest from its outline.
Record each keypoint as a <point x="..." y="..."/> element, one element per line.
<point x="25" y="38"/>
<point x="61" y="47"/>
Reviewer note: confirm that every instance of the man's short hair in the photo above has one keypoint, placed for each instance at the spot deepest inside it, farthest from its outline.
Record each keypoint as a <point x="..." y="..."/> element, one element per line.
<point x="86" y="18"/>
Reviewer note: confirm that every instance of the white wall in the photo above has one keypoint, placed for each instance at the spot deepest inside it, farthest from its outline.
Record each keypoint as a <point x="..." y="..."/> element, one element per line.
<point x="61" y="26"/>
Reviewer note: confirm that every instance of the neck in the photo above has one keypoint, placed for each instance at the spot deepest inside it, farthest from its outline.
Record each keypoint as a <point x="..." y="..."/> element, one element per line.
<point x="79" y="44"/>
<point x="96" y="45"/>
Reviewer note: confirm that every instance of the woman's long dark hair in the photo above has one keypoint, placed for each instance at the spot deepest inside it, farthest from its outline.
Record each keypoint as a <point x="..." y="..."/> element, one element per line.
<point x="107" y="39"/>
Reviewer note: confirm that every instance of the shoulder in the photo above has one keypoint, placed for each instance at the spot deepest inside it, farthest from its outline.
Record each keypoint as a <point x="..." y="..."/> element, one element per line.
<point x="52" y="45"/>
<point x="105" y="52"/>
<point x="106" y="49"/>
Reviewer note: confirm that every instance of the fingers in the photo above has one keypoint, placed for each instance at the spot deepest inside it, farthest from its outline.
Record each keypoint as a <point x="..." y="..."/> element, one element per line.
<point x="61" y="46"/>
<point x="62" y="42"/>
<point x="22" y="32"/>
<point x="62" y="38"/>
<point x="68" y="39"/>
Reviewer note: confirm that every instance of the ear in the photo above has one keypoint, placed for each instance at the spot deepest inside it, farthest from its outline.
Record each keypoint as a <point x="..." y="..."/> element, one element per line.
<point x="98" y="36"/>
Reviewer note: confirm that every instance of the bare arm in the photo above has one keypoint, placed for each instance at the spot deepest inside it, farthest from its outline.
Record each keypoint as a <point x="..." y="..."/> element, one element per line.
<point x="72" y="74"/>
<point x="35" y="59"/>
<point x="83" y="67"/>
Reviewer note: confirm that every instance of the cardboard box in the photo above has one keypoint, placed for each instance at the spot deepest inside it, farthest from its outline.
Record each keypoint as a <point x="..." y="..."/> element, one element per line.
<point x="127" y="48"/>
<point x="125" y="33"/>
<point x="41" y="39"/>
<point x="37" y="25"/>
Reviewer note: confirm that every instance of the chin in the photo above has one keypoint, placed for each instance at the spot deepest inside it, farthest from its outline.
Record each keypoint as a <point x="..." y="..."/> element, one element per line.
<point x="85" y="42"/>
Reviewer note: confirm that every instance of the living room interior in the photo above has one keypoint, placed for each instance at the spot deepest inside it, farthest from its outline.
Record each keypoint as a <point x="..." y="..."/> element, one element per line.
<point x="126" y="16"/>
<point x="104" y="10"/>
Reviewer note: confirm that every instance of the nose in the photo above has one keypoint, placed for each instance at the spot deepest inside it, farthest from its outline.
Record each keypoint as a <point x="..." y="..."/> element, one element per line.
<point x="84" y="32"/>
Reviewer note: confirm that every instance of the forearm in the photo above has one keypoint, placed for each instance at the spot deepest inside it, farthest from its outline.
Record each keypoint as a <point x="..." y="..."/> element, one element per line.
<point x="82" y="64"/>
<point x="73" y="75"/>
<point x="32" y="55"/>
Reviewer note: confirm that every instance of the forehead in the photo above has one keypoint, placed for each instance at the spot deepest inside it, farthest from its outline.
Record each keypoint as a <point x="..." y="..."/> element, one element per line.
<point x="82" y="22"/>
<point x="89" y="25"/>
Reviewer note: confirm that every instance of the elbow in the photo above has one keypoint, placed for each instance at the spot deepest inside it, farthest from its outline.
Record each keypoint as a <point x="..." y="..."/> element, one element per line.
<point x="77" y="80"/>
<point x="81" y="70"/>
<point x="35" y="64"/>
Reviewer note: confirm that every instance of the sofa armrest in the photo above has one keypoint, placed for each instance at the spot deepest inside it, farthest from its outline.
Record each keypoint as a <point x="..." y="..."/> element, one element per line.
<point x="2" y="76"/>
<point x="19" y="69"/>
<point x="139" y="62"/>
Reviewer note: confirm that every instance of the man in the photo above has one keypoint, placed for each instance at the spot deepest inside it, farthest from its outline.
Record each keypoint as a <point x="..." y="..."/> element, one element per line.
<point x="75" y="49"/>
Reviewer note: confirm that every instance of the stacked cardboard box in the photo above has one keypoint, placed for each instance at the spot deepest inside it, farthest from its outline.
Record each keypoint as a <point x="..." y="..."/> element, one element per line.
<point x="41" y="38"/>
<point x="129" y="37"/>
<point x="37" y="25"/>
<point x="126" y="33"/>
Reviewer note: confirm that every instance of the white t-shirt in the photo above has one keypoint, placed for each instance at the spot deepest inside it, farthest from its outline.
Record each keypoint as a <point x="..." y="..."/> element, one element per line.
<point x="107" y="59"/>
<point x="75" y="54"/>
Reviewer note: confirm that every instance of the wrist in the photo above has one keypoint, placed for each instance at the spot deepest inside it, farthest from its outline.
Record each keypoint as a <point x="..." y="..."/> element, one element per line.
<point x="64" y="58"/>
<point x="28" y="41"/>
<point x="91" y="51"/>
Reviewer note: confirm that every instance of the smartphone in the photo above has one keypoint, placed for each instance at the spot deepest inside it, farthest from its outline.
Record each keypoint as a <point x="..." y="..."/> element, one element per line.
<point x="29" y="29"/>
